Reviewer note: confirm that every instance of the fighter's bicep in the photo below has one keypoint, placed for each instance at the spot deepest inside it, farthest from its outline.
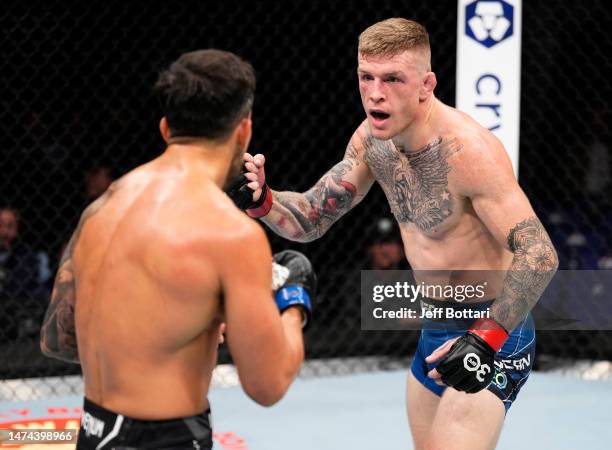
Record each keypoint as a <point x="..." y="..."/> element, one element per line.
<point x="501" y="209"/>
<point x="360" y="177"/>
<point x="250" y="313"/>
<point x="360" y="173"/>
<point x="246" y="268"/>
<point x="344" y="185"/>
<point x="482" y="172"/>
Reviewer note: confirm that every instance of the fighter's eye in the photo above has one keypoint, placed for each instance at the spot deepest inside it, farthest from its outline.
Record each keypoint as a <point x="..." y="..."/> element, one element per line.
<point x="393" y="79"/>
<point x="366" y="77"/>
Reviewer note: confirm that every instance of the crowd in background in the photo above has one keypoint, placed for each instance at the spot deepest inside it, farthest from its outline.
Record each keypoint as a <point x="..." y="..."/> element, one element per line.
<point x="26" y="270"/>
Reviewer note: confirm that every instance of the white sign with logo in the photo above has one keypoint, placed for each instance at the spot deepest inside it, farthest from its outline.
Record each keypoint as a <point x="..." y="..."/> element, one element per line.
<point x="489" y="67"/>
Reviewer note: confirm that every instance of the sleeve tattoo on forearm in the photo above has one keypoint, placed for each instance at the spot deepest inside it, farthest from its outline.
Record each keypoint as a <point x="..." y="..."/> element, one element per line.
<point x="324" y="203"/>
<point x="535" y="263"/>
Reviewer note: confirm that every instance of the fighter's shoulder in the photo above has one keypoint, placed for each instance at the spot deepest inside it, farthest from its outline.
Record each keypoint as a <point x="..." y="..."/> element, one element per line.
<point x="237" y="238"/>
<point x="229" y="223"/>
<point x="478" y="158"/>
<point x="212" y="231"/>
<point x="241" y="228"/>
<point x="475" y="147"/>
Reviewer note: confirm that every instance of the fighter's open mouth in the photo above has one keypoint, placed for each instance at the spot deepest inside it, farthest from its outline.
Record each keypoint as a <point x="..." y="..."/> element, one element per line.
<point x="379" y="115"/>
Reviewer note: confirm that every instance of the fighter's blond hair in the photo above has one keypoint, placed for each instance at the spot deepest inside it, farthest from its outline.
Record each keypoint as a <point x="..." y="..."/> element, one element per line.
<point x="393" y="36"/>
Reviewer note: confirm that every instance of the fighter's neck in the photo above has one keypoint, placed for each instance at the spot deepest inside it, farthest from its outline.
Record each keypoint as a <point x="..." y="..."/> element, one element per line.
<point x="211" y="160"/>
<point x="423" y="129"/>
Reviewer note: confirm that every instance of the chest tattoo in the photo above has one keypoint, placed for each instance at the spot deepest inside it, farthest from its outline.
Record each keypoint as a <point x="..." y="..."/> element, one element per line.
<point x="416" y="184"/>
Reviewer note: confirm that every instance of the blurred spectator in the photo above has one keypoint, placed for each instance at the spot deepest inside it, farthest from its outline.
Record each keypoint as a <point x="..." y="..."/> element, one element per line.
<point x="386" y="251"/>
<point x="97" y="180"/>
<point x="23" y="277"/>
<point x="19" y="265"/>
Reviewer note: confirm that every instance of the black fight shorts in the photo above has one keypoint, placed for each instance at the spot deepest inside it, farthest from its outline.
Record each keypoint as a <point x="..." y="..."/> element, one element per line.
<point x="102" y="429"/>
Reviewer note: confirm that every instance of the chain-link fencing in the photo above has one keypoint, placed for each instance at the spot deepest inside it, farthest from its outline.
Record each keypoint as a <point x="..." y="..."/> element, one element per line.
<point x="78" y="111"/>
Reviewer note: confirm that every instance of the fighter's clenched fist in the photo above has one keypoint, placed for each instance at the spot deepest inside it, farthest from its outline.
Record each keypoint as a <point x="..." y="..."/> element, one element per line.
<point x="250" y="191"/>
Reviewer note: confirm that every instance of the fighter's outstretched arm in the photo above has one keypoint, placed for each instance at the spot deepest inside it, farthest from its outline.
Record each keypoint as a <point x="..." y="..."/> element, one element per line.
<point x="505" y="210"/>
<point x="307" y="216"/>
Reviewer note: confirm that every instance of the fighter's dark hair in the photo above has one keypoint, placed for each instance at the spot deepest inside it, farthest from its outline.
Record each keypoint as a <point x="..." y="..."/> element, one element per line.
<point x="206" y="93"/>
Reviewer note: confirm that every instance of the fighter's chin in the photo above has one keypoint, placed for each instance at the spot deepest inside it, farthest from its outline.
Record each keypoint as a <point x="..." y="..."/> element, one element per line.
<point x="381" y="131"/>
<point x="381" y="134"/>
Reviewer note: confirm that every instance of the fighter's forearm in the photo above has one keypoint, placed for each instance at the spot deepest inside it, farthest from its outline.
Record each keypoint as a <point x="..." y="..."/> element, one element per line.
<point x="533" y="266"/>
<point x="292" y="217"/>
<point x="292" y="325"/>
<point x="305" y="217"/>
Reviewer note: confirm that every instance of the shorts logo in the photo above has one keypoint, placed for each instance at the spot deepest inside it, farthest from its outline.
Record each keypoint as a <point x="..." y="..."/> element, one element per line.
<point x="500" y="380"/>
<point x="471" y="362"/>
<point x="514" y="364"/>
<point x="489" y="22"/>
<point x="92" y="425"/>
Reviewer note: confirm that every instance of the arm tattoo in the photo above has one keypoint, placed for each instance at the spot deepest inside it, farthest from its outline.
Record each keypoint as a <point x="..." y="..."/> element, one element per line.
<point x="58" y="333"/>
<point x="317" y="209"/>
<point x="535" y="263"/>
<point x="415" y="183"/>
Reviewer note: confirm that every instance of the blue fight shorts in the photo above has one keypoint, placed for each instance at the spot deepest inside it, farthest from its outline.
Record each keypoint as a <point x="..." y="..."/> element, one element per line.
<point x="512" y="363"/>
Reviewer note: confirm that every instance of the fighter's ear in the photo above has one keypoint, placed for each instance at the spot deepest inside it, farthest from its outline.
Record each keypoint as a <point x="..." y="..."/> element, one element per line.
<point x="245" y="131"/>
<point x="164" y="129"/>
<point x="428" y="85"/>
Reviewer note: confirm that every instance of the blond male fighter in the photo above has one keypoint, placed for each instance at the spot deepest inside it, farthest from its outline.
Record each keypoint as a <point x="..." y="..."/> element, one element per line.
<point x="450" y="185"/>
<point x="150" y="274"/>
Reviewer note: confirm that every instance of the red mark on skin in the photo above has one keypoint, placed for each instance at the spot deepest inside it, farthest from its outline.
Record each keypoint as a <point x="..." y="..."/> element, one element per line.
<point x="281" y="222"/>
<point x="297" y="235"/>
<point x="230" y="441"/>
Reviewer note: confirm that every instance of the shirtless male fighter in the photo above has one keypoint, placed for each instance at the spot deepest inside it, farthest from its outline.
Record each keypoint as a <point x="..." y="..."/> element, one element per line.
<point x="151" y="273"/>
<point x="450" y="185"/>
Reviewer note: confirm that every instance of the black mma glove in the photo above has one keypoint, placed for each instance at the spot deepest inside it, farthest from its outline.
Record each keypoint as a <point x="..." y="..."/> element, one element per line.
<point x="242" y="195"/>
<point x="294" y="283"/>
<point x="470" y="364"/>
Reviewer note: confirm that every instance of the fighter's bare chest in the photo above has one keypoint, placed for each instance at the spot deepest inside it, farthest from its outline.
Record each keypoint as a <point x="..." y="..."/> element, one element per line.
<point x="417" y="184"/>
